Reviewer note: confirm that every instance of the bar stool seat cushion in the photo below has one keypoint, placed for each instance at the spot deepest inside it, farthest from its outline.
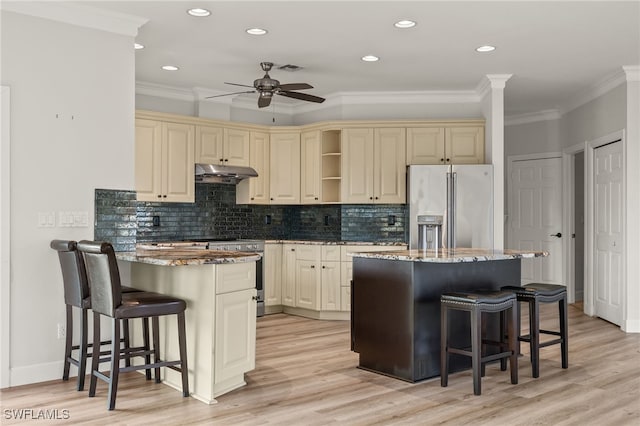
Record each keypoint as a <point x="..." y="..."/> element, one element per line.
<point x="479" y="297"/>
<point x="537" y="289"/>
<point x="148" y="304"/>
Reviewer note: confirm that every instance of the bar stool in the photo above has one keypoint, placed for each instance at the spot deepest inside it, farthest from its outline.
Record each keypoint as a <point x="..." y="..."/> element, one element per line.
<point x="107" y="299"/>
<point x="76" y="294"/>
<point x="535" y="294"/>
<point x="477" y="303"/>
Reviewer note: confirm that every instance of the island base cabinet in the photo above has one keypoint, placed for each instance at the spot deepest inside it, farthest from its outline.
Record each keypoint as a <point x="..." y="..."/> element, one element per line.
<point x="220" y="328"/>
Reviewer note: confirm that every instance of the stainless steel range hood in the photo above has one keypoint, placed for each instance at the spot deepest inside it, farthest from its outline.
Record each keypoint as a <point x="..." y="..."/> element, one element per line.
<point x="218" y="173"/>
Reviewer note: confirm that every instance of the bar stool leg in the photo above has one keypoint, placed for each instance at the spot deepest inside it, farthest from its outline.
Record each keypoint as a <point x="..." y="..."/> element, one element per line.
<point x="513" y="341"/>
<point x="127" y="345"/>
<point x="82" y="357"/>
<point x="504" y="328"/>
<point x="68" y="346"/>
<point x="444" y="346"/>
<point x="564" y="344"/>
<point x="115" y="363"/>
<point x="184" y="369"/>
<point x="534" y="333"/>
<point x="145" y="337"/>
<point x="156" y="346"/>
<point x="95" y="358"/>
<point x="476" y="345"/>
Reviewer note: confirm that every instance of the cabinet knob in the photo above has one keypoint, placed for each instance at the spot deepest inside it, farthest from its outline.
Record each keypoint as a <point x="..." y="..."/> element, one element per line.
<point x="371" y="198"/>
<point x="226" y="159"/>
<point x="164" y="196"/>
<point x="316" y="198"/>
<point x="313" y="266"/>
<point x="448" y="160"/>
<point x="254" y="297"/>
<point x="323" y="267"/>
<point x="159" y="196"/>
<point x="271" y="199"/>
<point x="222" y="160"/>
<point x="293" y="249"/>
<point x="442" y="160"/>
<point x="377" y="198"/>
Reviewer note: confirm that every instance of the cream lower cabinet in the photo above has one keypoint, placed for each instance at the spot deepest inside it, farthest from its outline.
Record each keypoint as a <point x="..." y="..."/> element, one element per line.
<point x="374" y="166"/>
<point x="330" y="278"/>
<point x="272" y="276"/>
<point x="164" y="161"/>
<point x="289" y="275"/>
<point x="308" y="276"/>
<point x="445" y="145"/>
<point x="220" y="322"/>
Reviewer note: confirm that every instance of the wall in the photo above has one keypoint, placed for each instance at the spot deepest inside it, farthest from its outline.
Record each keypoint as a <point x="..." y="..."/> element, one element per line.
<point x="533" y="138"/>
<point x="123" y="221"/>
<point x="174" y="106"/>
<point x="71" y="131"/>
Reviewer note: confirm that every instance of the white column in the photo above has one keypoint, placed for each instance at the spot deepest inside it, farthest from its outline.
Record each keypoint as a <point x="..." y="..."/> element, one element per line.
<point x="491" y="91"/>
<point x="631" y="321"/>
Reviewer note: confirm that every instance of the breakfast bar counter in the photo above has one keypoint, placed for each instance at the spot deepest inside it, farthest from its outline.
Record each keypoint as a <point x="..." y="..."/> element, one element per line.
<point x="395" y="310"/>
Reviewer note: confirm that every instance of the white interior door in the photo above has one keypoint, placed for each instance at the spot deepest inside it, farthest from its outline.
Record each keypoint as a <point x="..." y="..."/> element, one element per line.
<point x="535" y="215"/>
<point x="608" y="232"/>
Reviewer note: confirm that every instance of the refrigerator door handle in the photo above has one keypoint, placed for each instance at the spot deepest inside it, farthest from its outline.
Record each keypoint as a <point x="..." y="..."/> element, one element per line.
<point x="451" y="209"/>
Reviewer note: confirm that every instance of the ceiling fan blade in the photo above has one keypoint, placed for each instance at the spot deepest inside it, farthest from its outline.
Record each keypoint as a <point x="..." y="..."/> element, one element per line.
<point x="236" y="84"/>
<point x="302" y="96"/>
<point x="229" y="94"/>
<point x="295" y="86"/>
<point x="264" y="101"/>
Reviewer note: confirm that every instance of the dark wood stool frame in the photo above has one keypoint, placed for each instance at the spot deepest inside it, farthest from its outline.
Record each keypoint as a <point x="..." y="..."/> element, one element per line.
<point x="463" y="302"/>
<point x="534" y="294"/>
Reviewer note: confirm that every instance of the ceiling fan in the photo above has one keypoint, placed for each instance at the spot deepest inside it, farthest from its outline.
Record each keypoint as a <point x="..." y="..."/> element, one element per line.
<point x="267" y="87"/>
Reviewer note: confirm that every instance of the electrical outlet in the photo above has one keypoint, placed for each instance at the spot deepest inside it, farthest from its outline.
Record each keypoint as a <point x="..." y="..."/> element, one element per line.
<point x="62" y="332"/>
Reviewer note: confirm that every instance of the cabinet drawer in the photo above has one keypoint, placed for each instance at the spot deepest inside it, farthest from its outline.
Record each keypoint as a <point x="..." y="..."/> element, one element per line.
<point x="308" y="252"/>
<point x="331" y="253"/>
<point x="235" y="277"/>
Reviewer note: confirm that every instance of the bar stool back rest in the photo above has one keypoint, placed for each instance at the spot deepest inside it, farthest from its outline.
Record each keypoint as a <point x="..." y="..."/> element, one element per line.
<point x="74" y="275"/>
<point x="104" y="278"/>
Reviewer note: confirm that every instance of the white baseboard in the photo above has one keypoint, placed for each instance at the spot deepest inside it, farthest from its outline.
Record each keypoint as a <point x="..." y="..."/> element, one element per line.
<point x="36" y="373"/>
<point x="631" y="326"/>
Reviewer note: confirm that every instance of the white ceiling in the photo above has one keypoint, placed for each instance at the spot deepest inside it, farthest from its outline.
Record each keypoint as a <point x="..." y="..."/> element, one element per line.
<point x="555" y="50"/>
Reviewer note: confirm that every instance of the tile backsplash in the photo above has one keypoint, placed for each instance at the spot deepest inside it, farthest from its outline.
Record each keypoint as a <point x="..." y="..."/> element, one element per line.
<point x="123" y="221"/>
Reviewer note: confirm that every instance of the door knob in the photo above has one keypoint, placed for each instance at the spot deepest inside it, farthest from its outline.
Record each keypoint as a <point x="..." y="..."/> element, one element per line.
<point x="559" y="235"/>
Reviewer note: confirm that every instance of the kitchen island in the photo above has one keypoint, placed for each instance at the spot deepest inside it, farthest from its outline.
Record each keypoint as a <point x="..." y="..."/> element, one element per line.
<point x="395" y="308"/>
<point x="219" y="288"/>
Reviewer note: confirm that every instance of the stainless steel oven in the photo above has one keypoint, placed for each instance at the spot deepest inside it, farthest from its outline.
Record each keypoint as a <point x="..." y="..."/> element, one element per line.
<point x="251" y="246"/>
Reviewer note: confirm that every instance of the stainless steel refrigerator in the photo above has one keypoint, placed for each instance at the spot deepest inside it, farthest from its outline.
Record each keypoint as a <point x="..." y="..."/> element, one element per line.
<point x="462" y="195"/>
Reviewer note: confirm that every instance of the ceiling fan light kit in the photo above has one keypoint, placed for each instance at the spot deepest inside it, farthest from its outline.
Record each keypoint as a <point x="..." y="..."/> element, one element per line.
<point x="266" y="87"/>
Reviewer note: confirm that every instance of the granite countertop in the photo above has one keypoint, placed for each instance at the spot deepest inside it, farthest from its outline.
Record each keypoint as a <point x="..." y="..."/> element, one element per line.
<point x="457" y="255"/>
<point x="169" y="256"/>
<point x="337" y="243"/>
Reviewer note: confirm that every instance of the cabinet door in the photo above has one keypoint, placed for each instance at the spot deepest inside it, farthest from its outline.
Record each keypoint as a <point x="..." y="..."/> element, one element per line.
<point x="256" y="190"/>
<point x="330" y="295"/>
<point x="236" y="147"/>
<point x="273" y="274"/>
<point x="178" y="163"/>
<point x="310" y="173"/>
<point x="235" y="328"/>
<point x="209" y="145"/>
<point x="285" y="168"/>
<point x="289" y="275"/>
<point x="357" y="166"/>
<point x="308" y="284"/>
<point x="464" y="145"/>
<point x="390" y="166"/>
<point x="148" y="160"/>
<point x="425" y="145"/>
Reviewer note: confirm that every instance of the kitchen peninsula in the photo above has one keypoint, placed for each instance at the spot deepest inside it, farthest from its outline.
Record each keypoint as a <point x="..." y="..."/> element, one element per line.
<point x="395" y="309"/>
<point x="219" y="288"/>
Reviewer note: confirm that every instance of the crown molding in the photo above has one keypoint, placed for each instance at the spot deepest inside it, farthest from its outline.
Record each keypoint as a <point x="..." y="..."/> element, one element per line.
<point x="80" y="15"/>
<point x="596" y="90"/>
<point x="164" y="91"/>
<point x="491" y="81"/>
<point x="532" y="117"/>
<point x="632" y="72"/>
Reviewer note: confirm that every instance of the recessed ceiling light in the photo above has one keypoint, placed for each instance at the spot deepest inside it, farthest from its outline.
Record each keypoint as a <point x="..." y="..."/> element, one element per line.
<point x="370" y="58"/>
<point x="138" y="46"/>
<point x="405" y="23"/>
<point x="199" y="12"/>
<point x="170" y="68"/>
<point x="486" y="48"/>
<point x="256" y="31"/>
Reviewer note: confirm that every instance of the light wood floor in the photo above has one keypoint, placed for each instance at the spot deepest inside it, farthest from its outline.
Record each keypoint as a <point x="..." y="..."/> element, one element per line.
<point x="306" y="375"/>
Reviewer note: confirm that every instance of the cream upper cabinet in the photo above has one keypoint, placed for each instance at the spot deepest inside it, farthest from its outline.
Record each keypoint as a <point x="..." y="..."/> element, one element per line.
<point x="445" y="145"/>
<point x="256" y="190"/>
<point x="284" y="171"/>
<point x="310" y="167"/>
<point x="164" y="161"/>
<point x="217" y="145"/>
<point x="273" y="274"/>
<point x="374" y="166"/>
<point x="465" y="145"/>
